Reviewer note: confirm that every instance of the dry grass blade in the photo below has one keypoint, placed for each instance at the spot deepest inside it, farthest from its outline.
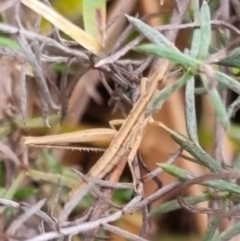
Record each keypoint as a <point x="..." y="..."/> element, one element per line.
<point x="71" y="204"/>
<point x="14" y="226"/>
<point x="37" y="70"/>
<point x="25" y="207"/>
<point x="8" y="153"/>
<point x="64" y="25"/>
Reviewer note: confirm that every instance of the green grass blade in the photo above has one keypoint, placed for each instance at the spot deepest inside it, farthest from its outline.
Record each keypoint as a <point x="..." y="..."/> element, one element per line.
<point x="9" y="43"/>
<point x="169" y="53"/>
<point x="229" y="233"/>
<point x="190" y="111"/>
<point x="221" y="185"/>
<point x="216" y="100"/>
<point x="196" y="39"/>
<point x="195" y="150"/>
<point x="205" y="31"/>
<point x="150" y="33"/>
<point x="174" y="204"/>
<point x="94" y="19"/>
<point x="232" y="60"/>
<point x="166" y="92"/>
<point x="226" y="80"/>
<point x="214" y="222"/>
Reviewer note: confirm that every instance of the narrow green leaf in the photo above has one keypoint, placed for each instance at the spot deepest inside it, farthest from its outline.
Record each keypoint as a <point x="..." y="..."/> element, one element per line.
<point x="10" y="192"/>
<point x="232" y="60"/>
<point x="174" y="204"/>
<point x="25" y="192"/>
<point x="150" y="33"/>
<point x="195" y="150"/>
<point x="218" y="106"/>
<point x="214" y="4"/>
<point x="196" y="39"/>
<point x="9" y="43"/>
<point x="166" y="92"/>
<point x="226" y="80"/>
<point x="190" y="111"/>
<point x="38" y="122"/>
<point x="169" y="53"/>
<point x="205" y="29"/>
<point x="229" y="232"/>
<point x="52" y="178"/>
<point x="214" y="222"/>
<point x="221" y="185"/>
<point x="203" y="91"/>
<point x="177" y="172"/>
<point x="2" y="192"/>
<point x="224" y="39"/>
<point x="94" y="19"/>
<point x="14" y="186"/>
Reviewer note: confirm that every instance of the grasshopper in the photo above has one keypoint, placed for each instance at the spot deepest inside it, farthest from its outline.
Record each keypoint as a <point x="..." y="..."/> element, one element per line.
<point x="125" y="141"/>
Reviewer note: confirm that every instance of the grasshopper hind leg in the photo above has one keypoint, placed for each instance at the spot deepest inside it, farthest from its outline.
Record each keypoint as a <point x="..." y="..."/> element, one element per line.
<point x="114" y="123"/>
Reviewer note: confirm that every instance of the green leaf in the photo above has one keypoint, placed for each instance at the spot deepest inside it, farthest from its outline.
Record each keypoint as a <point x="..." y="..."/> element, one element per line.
<point x="52" y="178"/>
<point x="232" y="60"/>
<point x="53" y="165"/>
<point x="174" y="205"/>
<point x="224" y="39"/>
<point x="169" y="53"/>
<point x="214" y="223"/>
<point x="196" y="40"/>
<point x="122" y="196"/>
<point x="9" y="43"/>
<point x="14" y="186"/>
<point x="24" y="193"/>
<point x="38" y="122"/>
<point x="214" y="4"/>
<point x="205" y="30"/>
<point x="94" y="19"/>
<point x="221" y="185"/>
<point x="203" y="91"/>
<point x="216" y="100"/>
<point x="2" y="192"/>
<point x="177" y="172"/>
<point x="229" y="232"/>
<point x="226" y="80"/>
<point x="195" y="150"/>
<point x="166" y="92"/>
<point x="190" y="111"/>
<point x="150" y="33"/>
